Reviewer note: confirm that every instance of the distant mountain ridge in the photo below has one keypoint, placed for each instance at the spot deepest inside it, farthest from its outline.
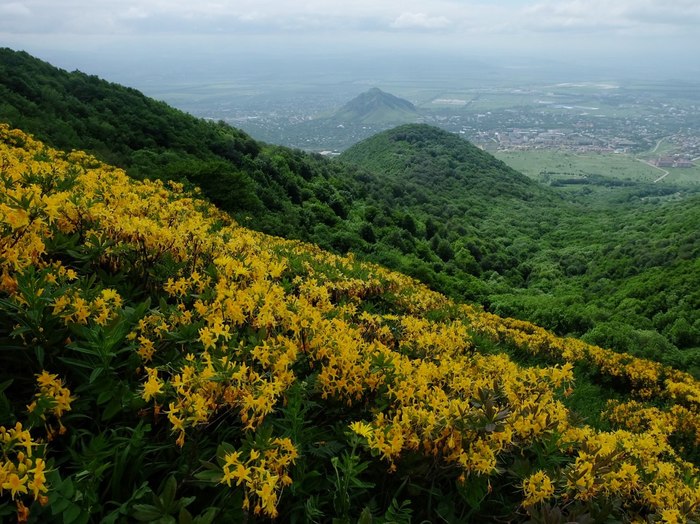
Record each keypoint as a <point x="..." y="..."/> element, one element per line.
<point x="377" y="107"/>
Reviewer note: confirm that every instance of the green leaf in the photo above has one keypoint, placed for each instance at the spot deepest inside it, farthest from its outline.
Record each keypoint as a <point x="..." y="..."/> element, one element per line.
<point x="146" y="512"/>
<point x="221" y="452"/>
<point x="213" y="476"/>
<point x="365" y="517"/>
<point x="72" y="514"/>
<point x="186" y="501"/>
<point x="95" y="374"/>
<point x="474" y="490"/>
<point x="67" y="488"/>
<point x="59" y="506"/>
<point x="168" y="495"/>
<point x="114" y="407"/>
<point x="105" y="396"/>
<point x="77" y="363"/>
<point x="398" y="513"/>
<point x="207" y="517"/>
<point x="40" y="354"/>
<point x="184" y="517"/>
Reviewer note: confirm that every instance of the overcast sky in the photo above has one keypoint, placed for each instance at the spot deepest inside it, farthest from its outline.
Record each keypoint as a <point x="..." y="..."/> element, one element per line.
<point x="68" y="31"/>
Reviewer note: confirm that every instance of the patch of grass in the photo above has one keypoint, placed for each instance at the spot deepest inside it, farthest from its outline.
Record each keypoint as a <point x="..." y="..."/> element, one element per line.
<point x="539" y="164"/>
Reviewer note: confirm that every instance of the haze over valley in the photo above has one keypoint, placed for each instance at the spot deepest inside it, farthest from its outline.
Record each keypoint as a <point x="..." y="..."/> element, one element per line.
<point x="637" y="116"/>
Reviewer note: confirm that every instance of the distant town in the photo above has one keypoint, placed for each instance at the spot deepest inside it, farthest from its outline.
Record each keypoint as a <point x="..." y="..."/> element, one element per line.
<point x="662" y="122"/>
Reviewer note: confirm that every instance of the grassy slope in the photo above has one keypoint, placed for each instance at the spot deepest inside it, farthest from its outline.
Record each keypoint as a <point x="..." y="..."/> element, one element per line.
<point x="599" y="169"/>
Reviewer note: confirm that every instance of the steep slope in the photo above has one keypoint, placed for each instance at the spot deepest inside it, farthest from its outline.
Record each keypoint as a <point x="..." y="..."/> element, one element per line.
<point x="377" y="107"/>
<point x="274" y="189"/>
<point x="72" y="110"/>
<point x="150" y="139"/>
<point x="416" y="199"/>
<point x="162" y="363"/>
<point x="472" y="211"/>
<point x="622" y="276"/>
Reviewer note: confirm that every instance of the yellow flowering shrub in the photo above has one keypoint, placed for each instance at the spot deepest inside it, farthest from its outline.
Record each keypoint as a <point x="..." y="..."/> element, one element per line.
<point x="231" y="324"/>
<point x="646" y="378"/>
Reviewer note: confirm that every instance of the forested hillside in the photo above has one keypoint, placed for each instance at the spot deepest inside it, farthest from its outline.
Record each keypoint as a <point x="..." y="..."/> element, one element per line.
<point x="163" y="364"/>
<point x="623" y="276"/>
<point x="415" y="199"/>
<point x="150" y="139"/>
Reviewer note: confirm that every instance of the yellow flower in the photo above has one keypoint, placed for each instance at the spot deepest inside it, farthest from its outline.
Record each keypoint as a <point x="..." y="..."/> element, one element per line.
<point x="17" y="218"/>
<point x="537" y="488"/>
<point x="361" y="428"/>
<point x="207" y="338"/>
<point x="146" y="348"/>
<point x="38" y="482"/>
<point x="51" y="387"/>
<point x="241" y="474"/>
<point x="153" y="385"/>
<point x="221" y="330"/>
<point x="15" y="484"/>
<point x="268" y="497"/>
<point x="82" y="312"/>
<point x="671" y="516"/>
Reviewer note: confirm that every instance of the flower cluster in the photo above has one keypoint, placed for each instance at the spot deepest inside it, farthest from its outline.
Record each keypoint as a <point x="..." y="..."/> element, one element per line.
<point x="51" y="400"/>
<point x="263" y="473"/>
<point x="537" y="488"/>
<point x="640" y="468"/>
<point x="646" y="379"/>
<point x="71" y="307"/>
<point x="22" y="469"/>
<point x="636" y="416"/>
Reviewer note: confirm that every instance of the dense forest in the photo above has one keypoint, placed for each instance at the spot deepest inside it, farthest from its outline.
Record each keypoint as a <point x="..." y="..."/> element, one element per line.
<point x="416" y="199"/>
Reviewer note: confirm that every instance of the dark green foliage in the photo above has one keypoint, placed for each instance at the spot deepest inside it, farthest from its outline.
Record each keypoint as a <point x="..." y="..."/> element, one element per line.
<point x="573" y="267"/>
<point x="263" y="186"/>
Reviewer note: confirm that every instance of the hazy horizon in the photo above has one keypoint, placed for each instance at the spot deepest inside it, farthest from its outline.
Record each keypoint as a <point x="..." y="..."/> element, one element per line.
<point x="146" y="44"/>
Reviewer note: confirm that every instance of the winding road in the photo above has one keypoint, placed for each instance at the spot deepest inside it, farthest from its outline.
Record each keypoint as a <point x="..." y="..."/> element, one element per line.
<point x="665" y="173"/>
<point x="659" y="143"/>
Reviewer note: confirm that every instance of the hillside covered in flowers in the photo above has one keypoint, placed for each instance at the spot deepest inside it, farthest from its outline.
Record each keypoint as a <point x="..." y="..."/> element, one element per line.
<point x="161" y="362"/>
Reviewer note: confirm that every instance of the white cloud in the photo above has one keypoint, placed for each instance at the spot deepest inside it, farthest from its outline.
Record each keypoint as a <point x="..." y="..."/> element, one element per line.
<point x="15" y="9"/>
<point x="677" y="12"/>
<point x="602" y="15"/>
<point x="419" y="21"/>
<point x="533" y="27"/>
<point x="123" y="16"/>
<point x="134" y="12"/>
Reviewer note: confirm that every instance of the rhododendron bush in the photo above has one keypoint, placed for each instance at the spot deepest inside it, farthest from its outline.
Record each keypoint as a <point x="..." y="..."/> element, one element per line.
<point x="159" y="361"/>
